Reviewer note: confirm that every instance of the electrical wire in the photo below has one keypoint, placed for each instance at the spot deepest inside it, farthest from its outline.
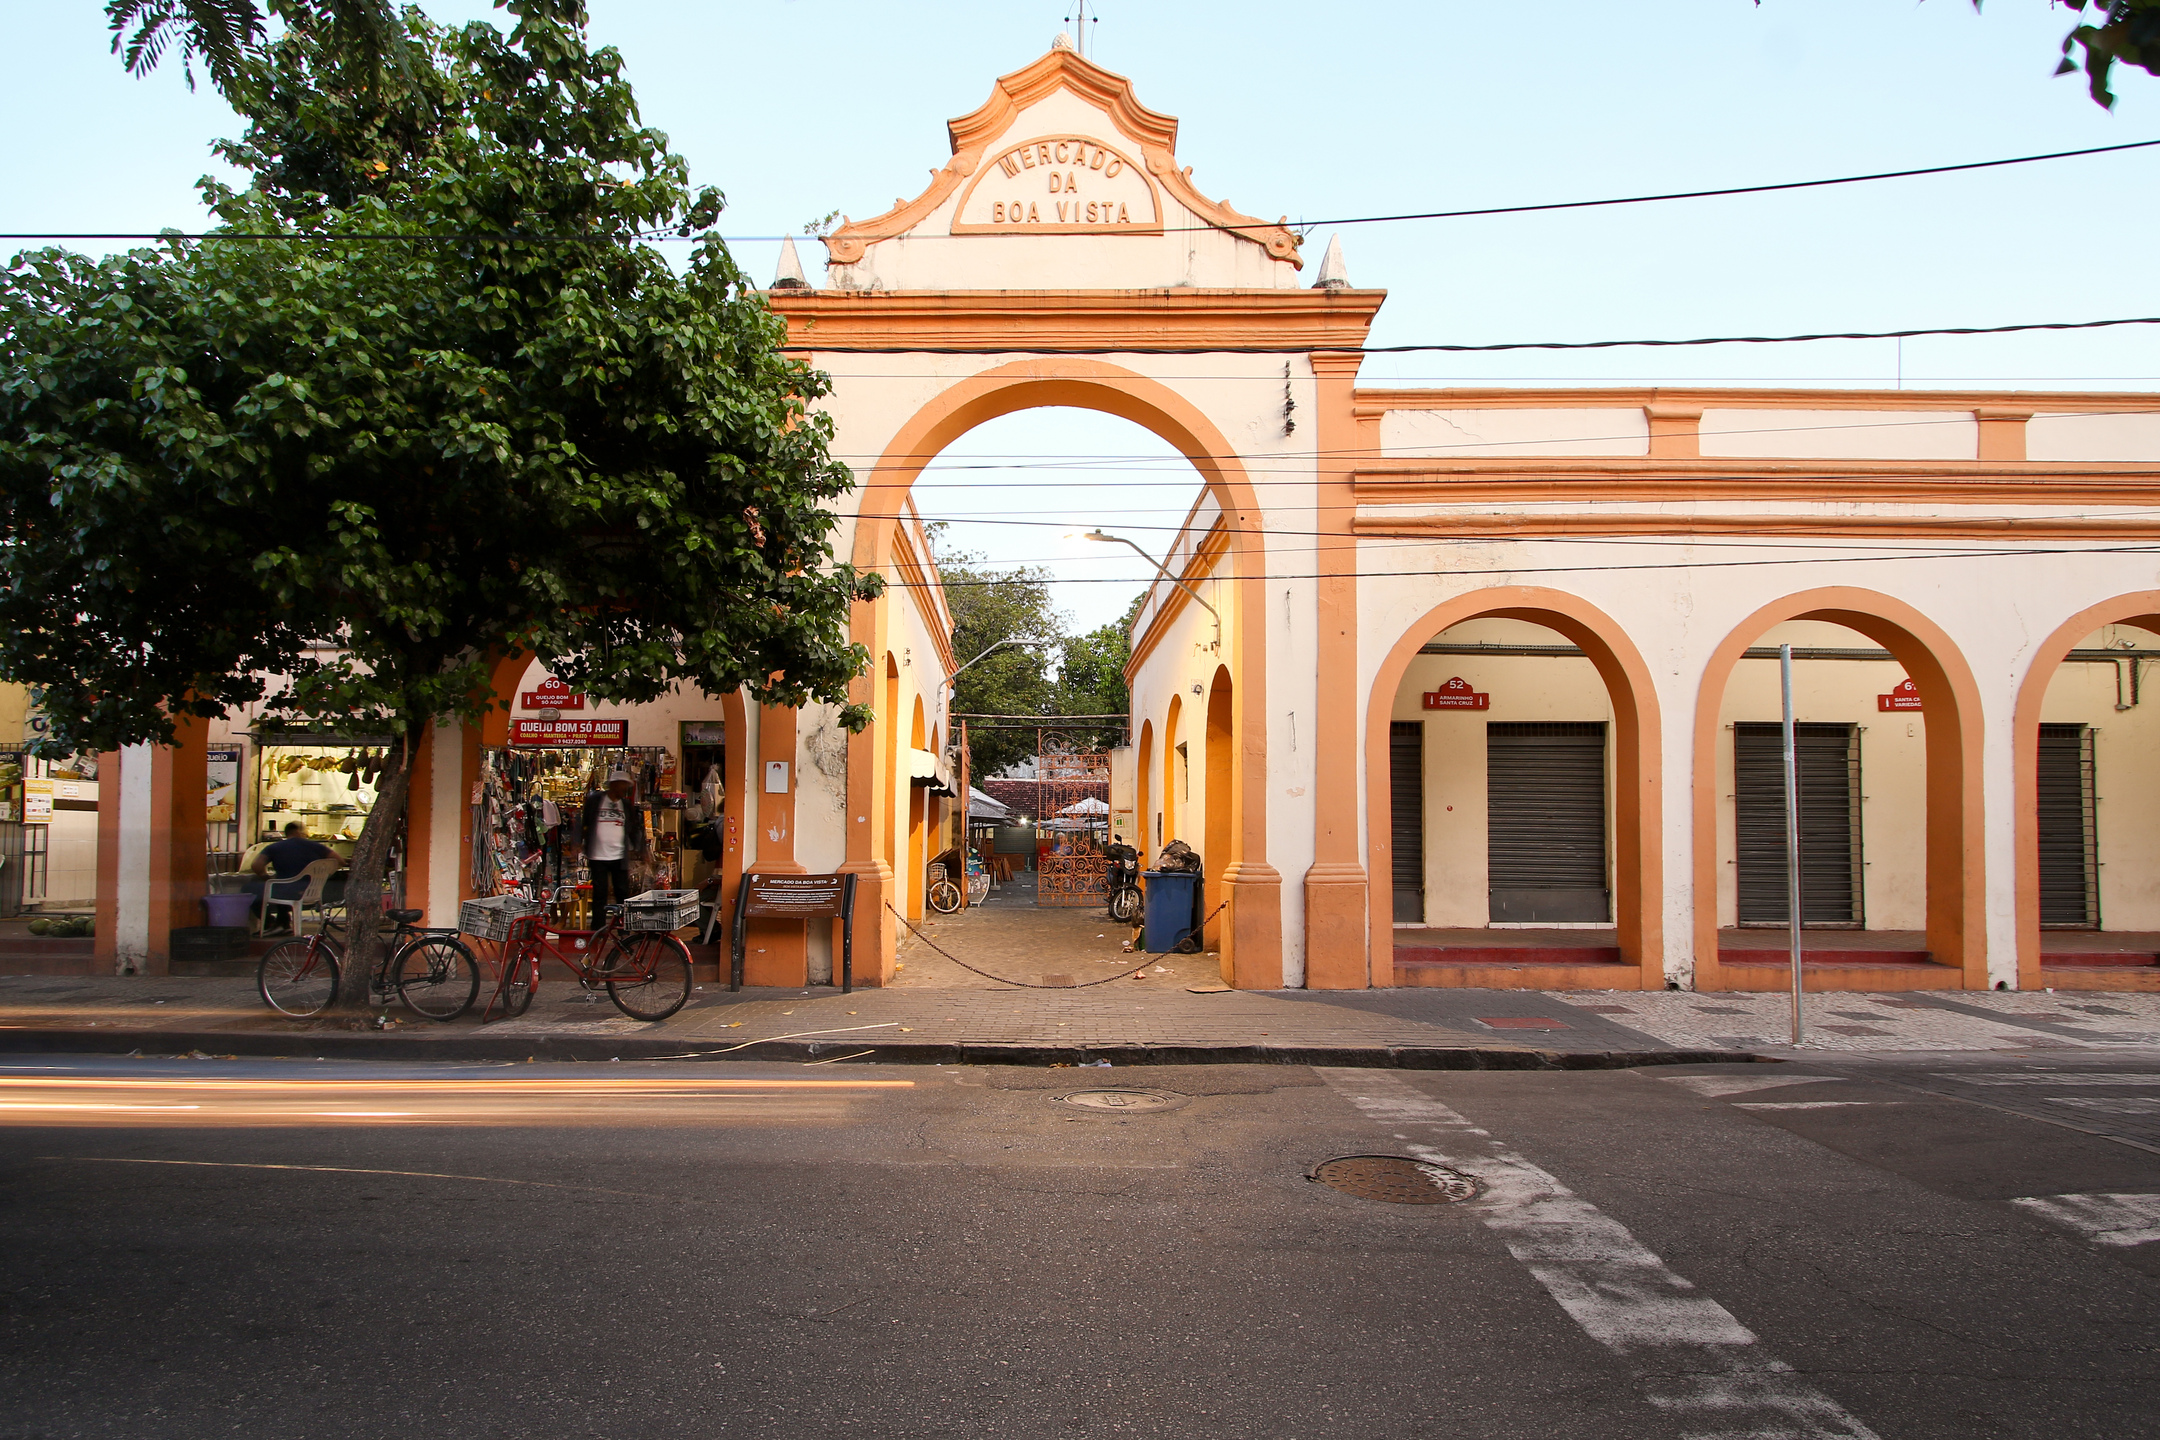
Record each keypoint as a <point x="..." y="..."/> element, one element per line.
<point x="1301" y="226"/>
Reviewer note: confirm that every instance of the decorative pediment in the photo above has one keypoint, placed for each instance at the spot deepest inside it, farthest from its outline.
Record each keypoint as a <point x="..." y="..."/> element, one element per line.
<point x="1061" y="148"/>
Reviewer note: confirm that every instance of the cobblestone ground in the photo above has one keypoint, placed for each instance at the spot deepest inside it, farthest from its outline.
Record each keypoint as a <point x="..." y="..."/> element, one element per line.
<point x="1012" y="937"/>
<point x="1922" y="1020"/>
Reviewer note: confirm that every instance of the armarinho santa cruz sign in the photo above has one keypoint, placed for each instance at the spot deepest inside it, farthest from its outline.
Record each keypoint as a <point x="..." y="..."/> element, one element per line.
<point x="1059" y="183"/>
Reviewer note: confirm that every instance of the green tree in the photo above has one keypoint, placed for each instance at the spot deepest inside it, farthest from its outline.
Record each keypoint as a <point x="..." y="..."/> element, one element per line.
<point x="990" y="606"/>
<point x="371" y="466"/>
<point x="2128" y="32"/>
<point x="1091" y="674"/>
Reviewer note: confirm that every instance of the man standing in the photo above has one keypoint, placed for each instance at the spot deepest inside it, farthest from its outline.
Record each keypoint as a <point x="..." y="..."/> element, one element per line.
<point x="614" y="835"/>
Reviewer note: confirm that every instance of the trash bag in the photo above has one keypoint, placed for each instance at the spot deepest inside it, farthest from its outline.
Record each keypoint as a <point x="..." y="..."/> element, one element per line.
<point x="1178" y="856"/>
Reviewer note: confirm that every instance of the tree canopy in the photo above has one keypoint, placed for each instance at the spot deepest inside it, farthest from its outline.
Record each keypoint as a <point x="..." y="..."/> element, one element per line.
<point x="455" y="407"/>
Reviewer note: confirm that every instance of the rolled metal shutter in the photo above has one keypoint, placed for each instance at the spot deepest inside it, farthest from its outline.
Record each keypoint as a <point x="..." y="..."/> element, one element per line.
<point x="1829" y="768"/>
<point x="1545" y="822"/>
<point x="1406" y="817"/>
<point x="2069" y="839"/>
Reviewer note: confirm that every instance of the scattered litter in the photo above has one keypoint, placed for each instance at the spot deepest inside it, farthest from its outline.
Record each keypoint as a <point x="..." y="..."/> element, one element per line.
<point x="1127" y="947"/>
<point x="733" y="1025"/>
<point x="198" y="1055"/>
<point x="1160" y="970"/>
<point x="1094" y="1064"/>
<point x="790" y="1012"/>
<point x="1099" y="937"/>
<point x="851" y="1012"/>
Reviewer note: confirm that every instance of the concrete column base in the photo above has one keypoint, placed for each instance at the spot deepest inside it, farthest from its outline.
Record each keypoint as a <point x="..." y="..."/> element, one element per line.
<point x="1337" y="956"/>
<point x="1252" y="945"/>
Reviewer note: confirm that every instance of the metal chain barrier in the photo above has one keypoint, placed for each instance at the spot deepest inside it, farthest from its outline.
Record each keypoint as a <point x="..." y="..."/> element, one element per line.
<point x="1029" y="984"/>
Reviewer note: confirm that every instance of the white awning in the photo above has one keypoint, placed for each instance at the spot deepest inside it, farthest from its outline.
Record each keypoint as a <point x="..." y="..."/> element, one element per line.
<point x="925" y="768"/>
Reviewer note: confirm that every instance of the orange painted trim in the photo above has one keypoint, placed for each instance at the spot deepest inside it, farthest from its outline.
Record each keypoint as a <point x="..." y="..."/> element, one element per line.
<point x="419" y="819"/>
<point x="504" y="677"/>
<point x="1638" y="765"/>
<point x="1655" y="480"/>
<point x="105" y="948"/>
<point x="1379" y="399"/>
<point x="2141" y="609"/>
<point x="973" y="134"/>
<point x="1338" y="944"/>
<point x="921" y="576"/>
<point x="2005" y="527"/>
<point x="832" y="322"/>
<point x="1956" y="876"/>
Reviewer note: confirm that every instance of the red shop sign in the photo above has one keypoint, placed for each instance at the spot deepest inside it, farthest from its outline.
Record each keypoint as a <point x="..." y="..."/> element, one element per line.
<point x="1903" y="696"/>
<point x="583" y="734"/>
<point x="1457" y="695"/>
<point x="552" y="695"/>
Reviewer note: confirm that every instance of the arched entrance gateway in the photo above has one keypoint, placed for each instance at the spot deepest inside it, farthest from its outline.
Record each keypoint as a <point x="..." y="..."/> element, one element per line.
<point x="1451" y="685"/>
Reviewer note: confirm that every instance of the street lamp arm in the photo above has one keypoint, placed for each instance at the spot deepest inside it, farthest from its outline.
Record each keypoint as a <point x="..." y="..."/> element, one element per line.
<point x="1161" y="570"/>
<point x="943" y="686"/>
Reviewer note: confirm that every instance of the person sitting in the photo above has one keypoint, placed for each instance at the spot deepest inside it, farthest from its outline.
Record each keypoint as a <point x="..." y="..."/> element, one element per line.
<point x="285" y="859"/>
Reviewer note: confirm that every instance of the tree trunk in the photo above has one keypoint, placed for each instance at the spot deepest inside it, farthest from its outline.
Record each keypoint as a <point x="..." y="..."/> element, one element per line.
<point x="364" y="886"/>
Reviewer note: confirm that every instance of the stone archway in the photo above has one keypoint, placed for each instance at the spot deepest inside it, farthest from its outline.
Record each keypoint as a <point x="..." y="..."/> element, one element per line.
<point x="2140" y="609"/>
<point x="1638" y="809"/>
<point x="1956" y="901"/>
<point x="1252" y="927"/>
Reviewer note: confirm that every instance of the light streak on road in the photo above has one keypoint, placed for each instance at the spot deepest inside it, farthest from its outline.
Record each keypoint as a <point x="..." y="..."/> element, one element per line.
<point x="625" y="1099"/>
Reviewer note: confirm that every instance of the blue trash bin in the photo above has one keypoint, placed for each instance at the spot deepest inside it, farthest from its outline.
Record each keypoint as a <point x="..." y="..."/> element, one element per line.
<point x="1173" y="909"/>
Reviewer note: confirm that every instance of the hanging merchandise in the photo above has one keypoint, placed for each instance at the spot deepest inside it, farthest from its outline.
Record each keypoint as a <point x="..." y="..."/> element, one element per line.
<point x="529" y="817"/>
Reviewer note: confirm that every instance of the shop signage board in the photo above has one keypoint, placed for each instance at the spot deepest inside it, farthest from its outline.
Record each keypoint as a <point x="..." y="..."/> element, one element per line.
<point x="37" y="801"/>
<point x="223" y="797"/>
<point x="553" y="694"/>
<point x="796" y="897"/>
<point x="1903" y="696"/>
<point x="570" y="734"/>
<point x="1456" y="694"/>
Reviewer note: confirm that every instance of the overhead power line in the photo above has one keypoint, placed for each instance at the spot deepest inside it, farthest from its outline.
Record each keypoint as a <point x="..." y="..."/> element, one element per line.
<point x="1167" y="230"/>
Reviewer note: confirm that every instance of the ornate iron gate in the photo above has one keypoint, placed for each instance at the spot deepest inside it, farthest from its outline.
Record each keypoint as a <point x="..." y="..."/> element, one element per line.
<point x="1074" y="790"/>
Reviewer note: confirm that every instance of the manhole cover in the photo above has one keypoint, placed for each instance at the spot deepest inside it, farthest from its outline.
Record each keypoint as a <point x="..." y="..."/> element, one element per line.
<point x="1123" y="1102"/>
<point x="1396" y="1180"/>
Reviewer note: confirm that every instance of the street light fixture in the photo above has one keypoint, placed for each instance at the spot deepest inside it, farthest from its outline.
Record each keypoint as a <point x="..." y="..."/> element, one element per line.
<point x="1191" y="593"/>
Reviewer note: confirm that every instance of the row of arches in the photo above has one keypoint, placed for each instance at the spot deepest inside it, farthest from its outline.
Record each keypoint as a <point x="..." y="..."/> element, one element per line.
<point x="1955" y="845"/>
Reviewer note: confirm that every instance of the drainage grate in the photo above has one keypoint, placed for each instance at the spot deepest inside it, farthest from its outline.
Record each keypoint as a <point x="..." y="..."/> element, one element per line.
<point x="1122" y="1102"/>
<point x="1393" y="1178"/>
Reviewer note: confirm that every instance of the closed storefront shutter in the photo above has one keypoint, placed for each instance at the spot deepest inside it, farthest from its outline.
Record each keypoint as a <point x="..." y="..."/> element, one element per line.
<point x="2069" y="860"/>
<point x="1829" y="766"/>
<point x="1545" y="822"/>
<point x="1406" y="817"/>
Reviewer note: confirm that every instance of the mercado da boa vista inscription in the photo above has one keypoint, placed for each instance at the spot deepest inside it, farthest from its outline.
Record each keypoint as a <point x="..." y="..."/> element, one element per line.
<point x="1059" y="183"/>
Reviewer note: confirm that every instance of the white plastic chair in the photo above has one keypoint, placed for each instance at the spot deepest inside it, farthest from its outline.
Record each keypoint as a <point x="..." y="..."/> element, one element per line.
<point x="297" y="894"/>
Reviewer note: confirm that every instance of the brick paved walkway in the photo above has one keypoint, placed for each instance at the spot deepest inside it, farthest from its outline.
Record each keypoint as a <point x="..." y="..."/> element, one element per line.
<point x="1010" y="936"/>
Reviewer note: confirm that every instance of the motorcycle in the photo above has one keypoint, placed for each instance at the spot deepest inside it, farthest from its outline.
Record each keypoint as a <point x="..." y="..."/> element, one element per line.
<point x="1122" y="881"/>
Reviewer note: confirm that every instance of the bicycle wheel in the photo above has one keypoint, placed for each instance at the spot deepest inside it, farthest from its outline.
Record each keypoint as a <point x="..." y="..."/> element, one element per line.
<point x="437" y="976"/>
<point x="299" y="978"/>
<point x="944" y="897"/>
<point x="1125" y="905"/>
<point x="516" y="995"/>
<point x="648" y="976"/>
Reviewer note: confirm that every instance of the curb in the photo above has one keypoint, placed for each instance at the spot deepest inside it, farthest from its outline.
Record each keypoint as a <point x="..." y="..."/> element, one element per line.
<point x="349" y="1045"/>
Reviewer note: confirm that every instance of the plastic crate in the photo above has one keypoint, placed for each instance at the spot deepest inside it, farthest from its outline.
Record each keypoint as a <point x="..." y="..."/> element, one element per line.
<point x="492" y="918"/>
<point x="661" y="910"/>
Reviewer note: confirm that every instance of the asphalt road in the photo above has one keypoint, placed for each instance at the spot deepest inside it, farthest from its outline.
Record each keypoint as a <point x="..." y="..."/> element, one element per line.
<point x="1811" y="1249"/>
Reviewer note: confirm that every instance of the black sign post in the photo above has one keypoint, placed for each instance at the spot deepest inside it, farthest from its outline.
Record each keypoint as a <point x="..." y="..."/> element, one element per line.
<point x="796" y="897"/>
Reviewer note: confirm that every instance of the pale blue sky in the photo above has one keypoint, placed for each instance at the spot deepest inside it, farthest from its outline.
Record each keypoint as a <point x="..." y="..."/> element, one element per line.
<point x="803" y="106"/>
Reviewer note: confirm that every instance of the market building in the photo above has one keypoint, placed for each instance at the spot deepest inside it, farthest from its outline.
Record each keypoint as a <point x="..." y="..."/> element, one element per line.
<point x="1473" y="690"/>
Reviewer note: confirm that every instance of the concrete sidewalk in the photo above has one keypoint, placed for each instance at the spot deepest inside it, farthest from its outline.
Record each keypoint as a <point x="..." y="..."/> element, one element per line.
<point x="1131" y="1021"/>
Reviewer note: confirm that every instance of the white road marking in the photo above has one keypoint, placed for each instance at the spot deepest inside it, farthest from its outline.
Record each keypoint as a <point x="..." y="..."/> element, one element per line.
<point x="2103" y="1219"/>
<point x="2083" y="1077"/>
<point x="1802" y="1104"/>
<point x="2110" y="1104"/>
<point x="1697" y="1361"/>
<point x="1716" y="1085"/>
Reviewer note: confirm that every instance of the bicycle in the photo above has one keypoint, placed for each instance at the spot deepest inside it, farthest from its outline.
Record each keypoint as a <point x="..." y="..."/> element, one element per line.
<point x="645" y="972"/>
<point x="943" y="895"/>
<point x="431" y="971"/>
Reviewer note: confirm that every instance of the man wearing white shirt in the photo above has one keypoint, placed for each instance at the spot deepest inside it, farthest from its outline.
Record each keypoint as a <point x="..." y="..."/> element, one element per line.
<point x="614" y="835"/>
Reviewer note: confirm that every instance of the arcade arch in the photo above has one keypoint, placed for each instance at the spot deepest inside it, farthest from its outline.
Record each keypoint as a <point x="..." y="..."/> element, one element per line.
<point x="1569" y="659"/>
<point x="1948" y="907"/>
<point x="1250" y="936"/>
<point x="2080" y="736"/>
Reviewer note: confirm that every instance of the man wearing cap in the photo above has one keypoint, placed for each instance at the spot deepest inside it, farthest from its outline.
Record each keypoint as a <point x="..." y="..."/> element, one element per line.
<point x="614" y="833"/>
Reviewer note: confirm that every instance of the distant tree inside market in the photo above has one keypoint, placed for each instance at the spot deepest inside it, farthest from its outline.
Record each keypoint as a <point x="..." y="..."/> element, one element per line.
<point x="456" y="408"/>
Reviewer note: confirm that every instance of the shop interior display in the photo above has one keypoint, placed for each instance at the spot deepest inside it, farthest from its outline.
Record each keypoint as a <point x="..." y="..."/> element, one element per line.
<point x="528" y="809"/>
<point x="328" y="788"/>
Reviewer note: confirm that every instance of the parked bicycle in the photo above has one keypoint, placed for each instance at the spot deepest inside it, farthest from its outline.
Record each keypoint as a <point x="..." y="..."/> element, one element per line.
<point x="645" y="972"/>
<point x="943" y="896"/>
<point x="430" y="970"/>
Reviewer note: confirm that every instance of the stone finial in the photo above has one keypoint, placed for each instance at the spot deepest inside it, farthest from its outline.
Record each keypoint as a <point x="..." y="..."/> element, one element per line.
<point x="1062" y="42"/>
<point x="790" y="274"/>
<point x="1334" y="275"/>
